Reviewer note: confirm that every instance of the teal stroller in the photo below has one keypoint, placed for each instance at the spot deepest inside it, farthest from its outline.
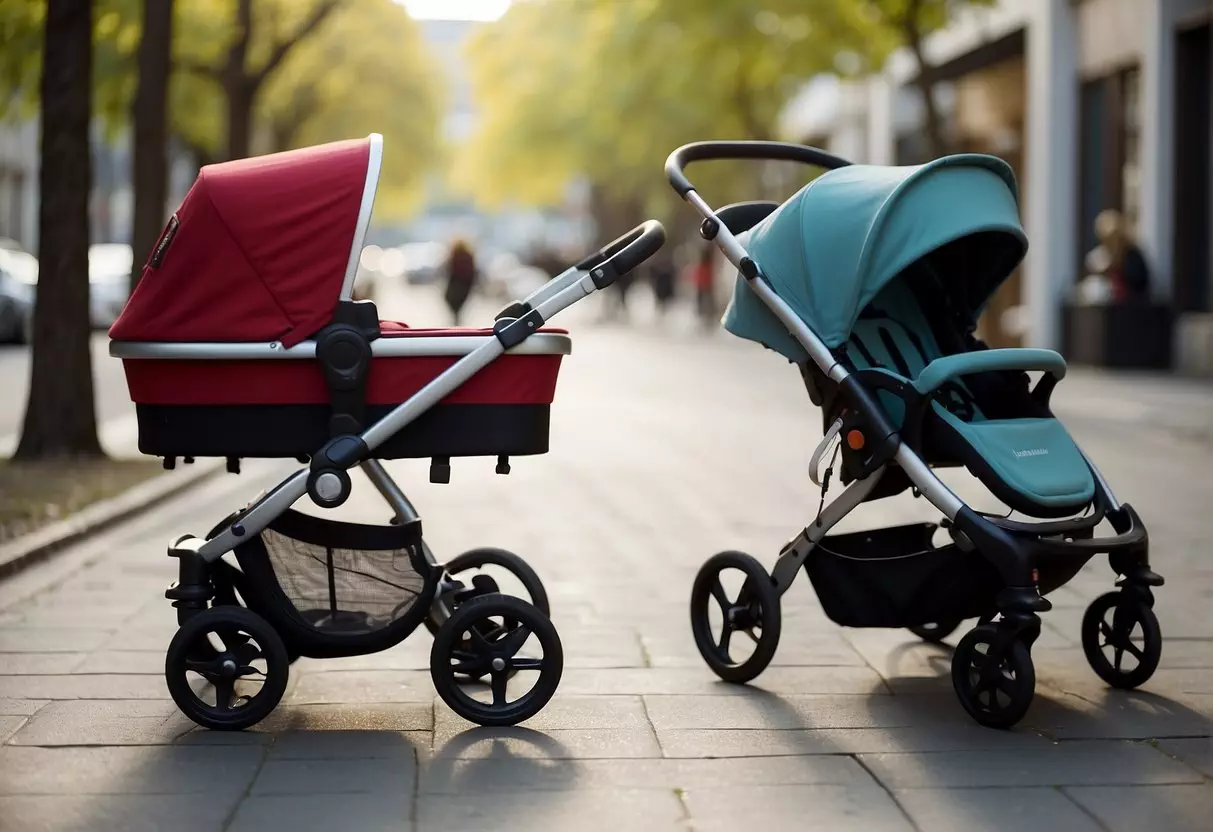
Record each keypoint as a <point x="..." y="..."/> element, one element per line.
<point x="871" y="280"/>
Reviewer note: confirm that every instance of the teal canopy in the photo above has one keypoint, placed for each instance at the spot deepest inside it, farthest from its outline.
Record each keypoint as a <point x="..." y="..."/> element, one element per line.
<point x="837" y="242"/>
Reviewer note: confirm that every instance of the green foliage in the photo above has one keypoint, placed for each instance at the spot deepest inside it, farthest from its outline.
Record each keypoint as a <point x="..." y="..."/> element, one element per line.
<point x="364" y="69"/>
<point x="606" y="89"/>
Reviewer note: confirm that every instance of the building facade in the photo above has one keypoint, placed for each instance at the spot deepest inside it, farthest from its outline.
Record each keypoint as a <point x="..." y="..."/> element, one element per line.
<point x="1097" y="104"/>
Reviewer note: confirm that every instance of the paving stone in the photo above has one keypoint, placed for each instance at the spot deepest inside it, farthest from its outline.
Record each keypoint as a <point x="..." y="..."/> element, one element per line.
<point x="753" y="708"/>
<point x="52" y="639"/>
<point x="159" y="770"/>
<point x="1197" y="753"/>
<point x="20" y="707"/>
<point x="774" y="743"/>
<point x="112" y="722"/>
<point x="1071" y="763"/>
<point x="324" y="813"/>
<point x="508" y="774"/>
<point x="677" y="649"/>
<point x="1131" y="809"/>
<point x="200" y="812"/>
<point x="836" y="808"/>
<point x="123" y="661"/>
<point x="560" y="744"/>
<point x="1108" y="714"/>
<point x="352" y="745"/>
<point x="355" y="686"/>
<point x="563" y="712"/>
<point x="20" y="664"/>
<point x="647" y="810"/>
<point x="84" y="686"/>
<point x="840" y="680"/>
<point x="346" y="776"/>
<point x="9" y="725"/>
<point x="994" y="810"/>
<point x="391" y="717"/>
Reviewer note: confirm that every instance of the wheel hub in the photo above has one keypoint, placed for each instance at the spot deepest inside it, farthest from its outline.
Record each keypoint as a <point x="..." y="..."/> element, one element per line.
<point x="228" y="668"/>
<point x="498" y="664"/>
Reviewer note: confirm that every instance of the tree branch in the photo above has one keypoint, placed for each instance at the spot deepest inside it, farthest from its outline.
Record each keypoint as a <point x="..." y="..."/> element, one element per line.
<point x="319" y="14"/>
<point x="192" y="66"/>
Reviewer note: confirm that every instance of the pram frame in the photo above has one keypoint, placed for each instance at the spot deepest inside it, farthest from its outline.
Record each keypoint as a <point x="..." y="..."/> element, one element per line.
<point x="511" y="334"/>
<point x="1014" y="548"/>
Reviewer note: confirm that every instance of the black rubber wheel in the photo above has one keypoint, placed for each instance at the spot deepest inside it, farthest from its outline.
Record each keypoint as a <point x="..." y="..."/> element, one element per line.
<point x="462" y="653"/>
<point x="1121" y="624"/>
<point x="756" y="608"/>
<point x="994" y="683"/>
<point x="233" y="657"/>
<point x="936" y="631"/>
<point x="484" y="584"/>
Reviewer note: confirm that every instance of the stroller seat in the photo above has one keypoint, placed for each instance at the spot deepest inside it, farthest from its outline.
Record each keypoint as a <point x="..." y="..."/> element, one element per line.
<point x="986" y="422"/>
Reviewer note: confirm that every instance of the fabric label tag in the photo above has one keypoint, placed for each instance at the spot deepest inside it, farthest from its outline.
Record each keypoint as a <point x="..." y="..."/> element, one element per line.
<point x="166" y="240"/>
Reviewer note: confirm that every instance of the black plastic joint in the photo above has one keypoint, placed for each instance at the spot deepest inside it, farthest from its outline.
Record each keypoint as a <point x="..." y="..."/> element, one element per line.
<point x="233" y="465"/>
<point x="604" y="275"/>
<point x="749" y="269"/>
<point x="170" y="462"/>
<point x="515" y="309"/>
<point x="513" y="331"/>
<point x="341" y="452"/>
<point x="503" y="465"/>
<point x="709" y="228"/>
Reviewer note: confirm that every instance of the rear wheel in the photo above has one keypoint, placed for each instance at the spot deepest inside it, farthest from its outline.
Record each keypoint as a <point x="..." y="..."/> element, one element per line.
<point x="751" y="613"/>
<point x="936" y="631"/>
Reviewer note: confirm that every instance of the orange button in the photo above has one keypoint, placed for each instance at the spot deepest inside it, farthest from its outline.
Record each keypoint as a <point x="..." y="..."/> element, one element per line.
<point x="855" y="440"/>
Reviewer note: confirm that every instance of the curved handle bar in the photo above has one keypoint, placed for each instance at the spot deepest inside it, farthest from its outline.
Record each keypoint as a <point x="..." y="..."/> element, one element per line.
<point x="624" y="253"/>
<point x="774" y="151"/>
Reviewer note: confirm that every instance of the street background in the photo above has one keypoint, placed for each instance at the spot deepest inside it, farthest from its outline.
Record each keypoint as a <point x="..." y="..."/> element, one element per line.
<point x="667" y="446"/>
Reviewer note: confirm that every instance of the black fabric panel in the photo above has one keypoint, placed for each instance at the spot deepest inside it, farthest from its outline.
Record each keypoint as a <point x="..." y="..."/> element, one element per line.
<point x="275" y="431"/>
<point x="319" y="531"/>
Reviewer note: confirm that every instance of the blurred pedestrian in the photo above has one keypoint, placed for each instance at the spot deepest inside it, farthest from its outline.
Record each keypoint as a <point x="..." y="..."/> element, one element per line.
<point x="1116" y="268"/>
<point x="461" y="277"/>
<point x="703" y="279"/>
<point x="664" y="277"/>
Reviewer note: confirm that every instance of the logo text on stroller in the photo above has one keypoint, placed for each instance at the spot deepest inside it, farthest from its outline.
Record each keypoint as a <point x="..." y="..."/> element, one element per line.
<point x="1031" y="452"/>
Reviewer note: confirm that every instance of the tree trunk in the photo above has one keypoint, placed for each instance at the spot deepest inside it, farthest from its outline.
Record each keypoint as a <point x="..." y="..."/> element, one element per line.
<point x="59" y="417"/>
<point x="937" y="143"/>
<point x="149" y="115"/>
<point x="240" y="97"/>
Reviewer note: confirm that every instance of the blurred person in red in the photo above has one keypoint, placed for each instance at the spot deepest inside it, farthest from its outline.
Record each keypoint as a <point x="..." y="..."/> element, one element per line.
<point x="702" y="276"/>
<point x="1117" y="270"/>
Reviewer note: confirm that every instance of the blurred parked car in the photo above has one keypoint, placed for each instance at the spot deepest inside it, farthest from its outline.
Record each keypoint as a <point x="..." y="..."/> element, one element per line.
<point x="18" y="278"/>
<point x="109" y="280"/>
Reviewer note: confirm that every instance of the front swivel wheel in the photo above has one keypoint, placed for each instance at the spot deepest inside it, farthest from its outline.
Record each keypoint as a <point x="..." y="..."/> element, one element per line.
<point x="508" y="641"/>
<point x="1121" y="638"/>
<point x="993" y="676"/>
<point x="751" y="612"/>
<point x="226" y="668"/>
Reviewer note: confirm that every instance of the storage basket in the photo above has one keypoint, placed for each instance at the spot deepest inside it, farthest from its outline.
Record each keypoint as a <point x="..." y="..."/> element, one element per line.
<point x="334" y="588"/>
<point x="897" y="577"/>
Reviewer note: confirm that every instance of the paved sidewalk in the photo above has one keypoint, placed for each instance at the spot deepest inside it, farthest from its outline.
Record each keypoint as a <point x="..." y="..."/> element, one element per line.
<point x="666" y="447"/>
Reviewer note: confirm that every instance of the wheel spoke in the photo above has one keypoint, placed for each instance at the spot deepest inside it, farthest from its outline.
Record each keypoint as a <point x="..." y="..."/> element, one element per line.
<point x="223" y="694"/>
<point x="1134" y="651"/>
<point x="718" y="593"/>
<point x="527" y="663"/>
<point x="512" y="643"/>
<point x="1105" y="629"/>
<point x="726" y="633"/>
<point x="499" y="679"/>
<point x="207" y="668"/>
<point x="1119" y="655"/>
<point x="750" y="632"/>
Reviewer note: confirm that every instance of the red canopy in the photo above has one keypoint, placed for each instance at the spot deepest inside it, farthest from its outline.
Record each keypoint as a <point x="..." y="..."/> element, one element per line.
<point x="258" y="250"/>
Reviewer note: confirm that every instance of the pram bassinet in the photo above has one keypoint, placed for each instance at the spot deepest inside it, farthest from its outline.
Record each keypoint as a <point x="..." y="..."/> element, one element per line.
<point x="220" y="338"/>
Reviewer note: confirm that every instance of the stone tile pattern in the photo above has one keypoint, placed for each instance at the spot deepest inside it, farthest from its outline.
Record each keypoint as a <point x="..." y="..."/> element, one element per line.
<point x="666" y="447"/>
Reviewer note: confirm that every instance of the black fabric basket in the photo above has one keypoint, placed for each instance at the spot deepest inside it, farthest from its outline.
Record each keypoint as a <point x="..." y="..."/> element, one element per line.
<point x="896" y="577"/>
<point x="337" y="589"/>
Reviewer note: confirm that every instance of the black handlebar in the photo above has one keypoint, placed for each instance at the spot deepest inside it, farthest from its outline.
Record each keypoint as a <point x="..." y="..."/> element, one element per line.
<point x="624" y="254"/>
<point x="773" y="151"/>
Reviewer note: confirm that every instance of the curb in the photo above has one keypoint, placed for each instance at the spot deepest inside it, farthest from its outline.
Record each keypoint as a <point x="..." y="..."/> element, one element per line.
<point x="31" y="548"/>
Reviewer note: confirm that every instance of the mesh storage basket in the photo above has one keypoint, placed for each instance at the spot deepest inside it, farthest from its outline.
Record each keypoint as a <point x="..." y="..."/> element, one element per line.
<point x="338" y="588"/>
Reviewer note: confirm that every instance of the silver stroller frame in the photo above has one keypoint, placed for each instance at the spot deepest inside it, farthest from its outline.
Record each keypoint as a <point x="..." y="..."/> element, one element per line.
<point x="1013" y="547"/>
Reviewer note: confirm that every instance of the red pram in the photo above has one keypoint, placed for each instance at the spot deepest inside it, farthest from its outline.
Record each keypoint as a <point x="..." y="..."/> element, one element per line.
<point x="242" y="340"/>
